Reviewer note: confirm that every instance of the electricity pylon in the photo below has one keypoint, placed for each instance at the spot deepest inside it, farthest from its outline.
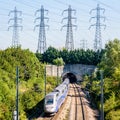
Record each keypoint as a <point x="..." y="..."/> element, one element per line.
<point x="15" y="26"/>
<point x="83" y="44"/>
<point x="98" y="17"/>
<point x="69" y="45"/>
<point x="42" y="36"/>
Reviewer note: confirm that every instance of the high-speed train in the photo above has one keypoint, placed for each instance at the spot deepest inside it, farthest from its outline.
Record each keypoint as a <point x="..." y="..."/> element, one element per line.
<point x="54" y="99"/>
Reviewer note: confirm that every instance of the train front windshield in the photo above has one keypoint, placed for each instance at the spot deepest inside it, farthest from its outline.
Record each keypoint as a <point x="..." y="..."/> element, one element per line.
<point x="49" y="100"/>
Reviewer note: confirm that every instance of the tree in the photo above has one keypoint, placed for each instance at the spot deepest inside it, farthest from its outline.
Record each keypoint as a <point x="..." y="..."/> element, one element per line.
<point x="50" y="54"/>
<point x="111" y="58"/>
<point x="77" y="56"/>
<point x="58" y="62"/>
<point x="30" y="74"/>
<point x="39" y="56"/>
<point x="110" y="63"/>
<point x="65" y="55"/>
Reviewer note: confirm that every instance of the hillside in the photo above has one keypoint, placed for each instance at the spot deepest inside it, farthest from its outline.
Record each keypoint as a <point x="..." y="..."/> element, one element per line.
<point x="30" y="81"/>
<point x="110" y="66"/>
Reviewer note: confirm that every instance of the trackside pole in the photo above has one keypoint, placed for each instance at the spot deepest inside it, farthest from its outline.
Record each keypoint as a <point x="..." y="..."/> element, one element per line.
<point x="102" y="96"/>
<point x="44" y="84"/>
<point x="16" y="112"/>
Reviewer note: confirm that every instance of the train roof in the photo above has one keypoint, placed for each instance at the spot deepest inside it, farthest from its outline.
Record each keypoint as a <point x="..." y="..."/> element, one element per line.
<point x="52" y="93"/>
<point x="59" y="88"/>
<point x="66" y="81"/>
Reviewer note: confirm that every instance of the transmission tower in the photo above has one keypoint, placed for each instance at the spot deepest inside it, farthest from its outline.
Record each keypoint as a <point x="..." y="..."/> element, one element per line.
<point x="83" y="44"/>
<point x="15" y="26"/>
<point x="69" y="45"/>
<point x="98" y="17"/>
<point x="42" y="36"/>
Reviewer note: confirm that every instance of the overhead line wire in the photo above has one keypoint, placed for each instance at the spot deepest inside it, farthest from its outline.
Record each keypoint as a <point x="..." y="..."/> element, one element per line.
<point x="108" y="6"/>
<point x="61" y="2"/>
<point x="24" y="4"/>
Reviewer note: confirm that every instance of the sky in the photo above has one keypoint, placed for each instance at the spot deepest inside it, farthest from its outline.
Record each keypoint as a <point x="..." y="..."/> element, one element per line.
<point x="54" y="36"/>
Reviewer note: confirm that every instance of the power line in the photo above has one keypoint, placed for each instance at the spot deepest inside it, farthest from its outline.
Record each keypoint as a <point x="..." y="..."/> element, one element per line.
<point x="23" y="3"/>
<point x="85" y="4"/>
<point x="108" y="6"/>
<point x="3" y="15"/>
<point x="61" y="2"/>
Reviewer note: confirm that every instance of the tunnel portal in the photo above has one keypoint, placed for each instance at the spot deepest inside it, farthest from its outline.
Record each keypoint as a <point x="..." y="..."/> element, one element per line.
<point x="71" y="77"/>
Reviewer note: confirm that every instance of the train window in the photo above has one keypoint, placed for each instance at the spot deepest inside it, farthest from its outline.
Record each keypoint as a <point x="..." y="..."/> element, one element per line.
<point x="56" y="91"/>
<point x="49" y="101"/>
<point x="57" y="95"/>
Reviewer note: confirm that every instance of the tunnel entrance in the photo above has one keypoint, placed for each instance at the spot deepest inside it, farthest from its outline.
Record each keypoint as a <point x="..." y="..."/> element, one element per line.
<point x="71" y="77"/>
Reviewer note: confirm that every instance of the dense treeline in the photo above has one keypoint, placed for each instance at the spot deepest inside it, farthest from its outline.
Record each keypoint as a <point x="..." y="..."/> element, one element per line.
<point x="31" y="83"/>
<point x="78" y="56"/>
<point x="110" y="65"/>
<point x="31" y="78"/>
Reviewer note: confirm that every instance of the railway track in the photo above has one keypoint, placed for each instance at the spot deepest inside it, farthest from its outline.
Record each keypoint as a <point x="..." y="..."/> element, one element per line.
<point x="78" y="108"/>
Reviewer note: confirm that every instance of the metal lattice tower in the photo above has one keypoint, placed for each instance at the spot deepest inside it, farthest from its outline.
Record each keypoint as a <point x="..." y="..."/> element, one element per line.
<point x="98" y="17"/>
<point x="69" y="45"/>
<point x="15" y="26"/>
<point x="42" y="36"/>
<point x="83" y="44"/>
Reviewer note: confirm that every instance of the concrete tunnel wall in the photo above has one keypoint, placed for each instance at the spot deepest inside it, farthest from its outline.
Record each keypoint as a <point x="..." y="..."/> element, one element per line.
<point x="74" y="72"/>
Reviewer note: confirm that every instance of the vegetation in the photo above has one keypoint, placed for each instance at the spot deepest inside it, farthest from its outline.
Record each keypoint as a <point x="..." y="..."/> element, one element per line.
<point x="78" y="56"/>
<point x="31" y="78"/>
<point x="58" y="61"/>
<point x="31" y="83"/>
<point x="110" y="64"/>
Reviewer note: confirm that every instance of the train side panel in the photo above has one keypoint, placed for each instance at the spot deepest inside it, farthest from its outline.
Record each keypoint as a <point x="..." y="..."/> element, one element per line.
<point x="55" y="99"/>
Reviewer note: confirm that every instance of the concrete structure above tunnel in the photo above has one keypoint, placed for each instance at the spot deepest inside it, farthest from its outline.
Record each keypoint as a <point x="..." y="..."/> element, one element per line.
<point x="77" y="70"/>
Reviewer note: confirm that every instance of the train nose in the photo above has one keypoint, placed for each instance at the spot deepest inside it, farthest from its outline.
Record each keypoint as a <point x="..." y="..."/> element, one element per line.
<point x="50" y="109"/>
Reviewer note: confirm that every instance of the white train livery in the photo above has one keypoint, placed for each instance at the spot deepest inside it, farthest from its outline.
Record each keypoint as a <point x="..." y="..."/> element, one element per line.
<point x="55" y="99"/>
